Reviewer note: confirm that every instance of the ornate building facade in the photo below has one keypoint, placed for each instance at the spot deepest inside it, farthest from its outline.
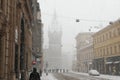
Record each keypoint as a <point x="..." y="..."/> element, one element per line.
<point x="37" y="36"/>
<point x="15" y="39"/>
<point x="107" y="49"/>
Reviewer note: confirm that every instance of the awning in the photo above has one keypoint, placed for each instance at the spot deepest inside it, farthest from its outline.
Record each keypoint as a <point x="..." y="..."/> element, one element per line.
<point x="90" y="62"/>
<point x="116" y="62"/>
<point x="108" y="63"/>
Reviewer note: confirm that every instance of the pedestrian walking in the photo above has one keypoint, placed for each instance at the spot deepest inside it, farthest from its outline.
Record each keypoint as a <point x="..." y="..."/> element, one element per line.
<point x="34" y="75"/>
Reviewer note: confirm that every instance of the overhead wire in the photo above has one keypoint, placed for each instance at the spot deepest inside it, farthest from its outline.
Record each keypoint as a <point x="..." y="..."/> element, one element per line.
<point x="77" y="19"/>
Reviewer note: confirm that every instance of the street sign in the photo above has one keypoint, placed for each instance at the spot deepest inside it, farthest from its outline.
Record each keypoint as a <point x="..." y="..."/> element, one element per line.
<point x="33" y="62"/>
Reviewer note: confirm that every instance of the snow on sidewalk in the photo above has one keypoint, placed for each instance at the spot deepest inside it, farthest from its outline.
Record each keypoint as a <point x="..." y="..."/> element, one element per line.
<point x="110" y="77"/>
<point x="48" y="77"/>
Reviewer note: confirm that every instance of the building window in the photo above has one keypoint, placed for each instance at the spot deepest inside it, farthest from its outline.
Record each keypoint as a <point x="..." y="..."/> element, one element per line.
<point x="1" y="4"/>
<point x="117" y="34"/>
<point x="114" y="32"/>
<point x="8" y="9"/>
<point x="110" y="34"/>
<point x="106" y="36"/>
<point x="1" y="56"/>
<point x="111" y="50"/>
<point x="97" y="52"/>
<point x="104" y="52"/>
<point x="22" y="45"/>
<point x="115" y="49"/>
<point x="100" y="39"/>
<point x="119" y="47"/>
<point x="16" y="61"/>
<point x="100" y="52"/>
<point x="95" y="40"/>
<point x="0" y="51"/>
<point x="103" y="37"/>
<point x="118" y="31"/>
<point x="107" y="50"/>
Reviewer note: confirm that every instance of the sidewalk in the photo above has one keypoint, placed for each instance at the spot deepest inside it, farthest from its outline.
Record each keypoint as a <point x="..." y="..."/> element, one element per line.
<point x="48" y="77"/>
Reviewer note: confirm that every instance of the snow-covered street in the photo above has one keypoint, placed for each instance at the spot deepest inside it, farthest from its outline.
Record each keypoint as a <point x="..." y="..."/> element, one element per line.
<point x="77" y="76"/>
<point x="48" y="77"/>
<point x="101" y="77"/>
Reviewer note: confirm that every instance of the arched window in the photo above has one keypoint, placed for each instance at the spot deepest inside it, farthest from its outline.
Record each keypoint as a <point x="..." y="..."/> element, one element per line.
<point x="2" y="57"/>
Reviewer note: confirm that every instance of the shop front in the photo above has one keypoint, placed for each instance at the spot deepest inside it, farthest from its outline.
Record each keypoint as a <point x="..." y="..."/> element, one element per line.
<point x="113" y="65"/>
<point x="98" y="64"/>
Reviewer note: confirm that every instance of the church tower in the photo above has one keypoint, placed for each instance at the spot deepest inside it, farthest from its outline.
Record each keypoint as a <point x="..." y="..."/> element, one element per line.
<point x="55" y="44"/>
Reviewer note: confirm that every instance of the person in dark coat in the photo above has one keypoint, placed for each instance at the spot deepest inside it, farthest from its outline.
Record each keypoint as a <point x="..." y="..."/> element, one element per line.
<point x="34" y="75"/>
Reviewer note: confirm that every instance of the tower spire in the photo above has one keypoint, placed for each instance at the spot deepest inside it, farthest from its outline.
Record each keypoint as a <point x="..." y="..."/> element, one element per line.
<point x="55" y="41"/>
<point x="55" y="26"/>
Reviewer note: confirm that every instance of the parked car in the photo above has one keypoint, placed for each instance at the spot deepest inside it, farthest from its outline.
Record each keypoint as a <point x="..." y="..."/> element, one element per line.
<point x="94" y="73"/>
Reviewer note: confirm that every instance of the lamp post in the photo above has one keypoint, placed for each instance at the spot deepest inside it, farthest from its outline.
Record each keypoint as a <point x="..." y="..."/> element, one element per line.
<point x="46" y="68"/>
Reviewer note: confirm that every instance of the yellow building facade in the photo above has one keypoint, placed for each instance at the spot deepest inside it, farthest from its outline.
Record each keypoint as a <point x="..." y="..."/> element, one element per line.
<point x="107" y="49"/>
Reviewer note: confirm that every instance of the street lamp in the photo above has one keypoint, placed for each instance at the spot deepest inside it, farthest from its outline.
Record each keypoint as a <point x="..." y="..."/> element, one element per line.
<point x="77" y="20"/>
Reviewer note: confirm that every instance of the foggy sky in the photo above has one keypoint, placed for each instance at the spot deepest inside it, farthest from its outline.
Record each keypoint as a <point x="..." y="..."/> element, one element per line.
<point x="85" y="10"/>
